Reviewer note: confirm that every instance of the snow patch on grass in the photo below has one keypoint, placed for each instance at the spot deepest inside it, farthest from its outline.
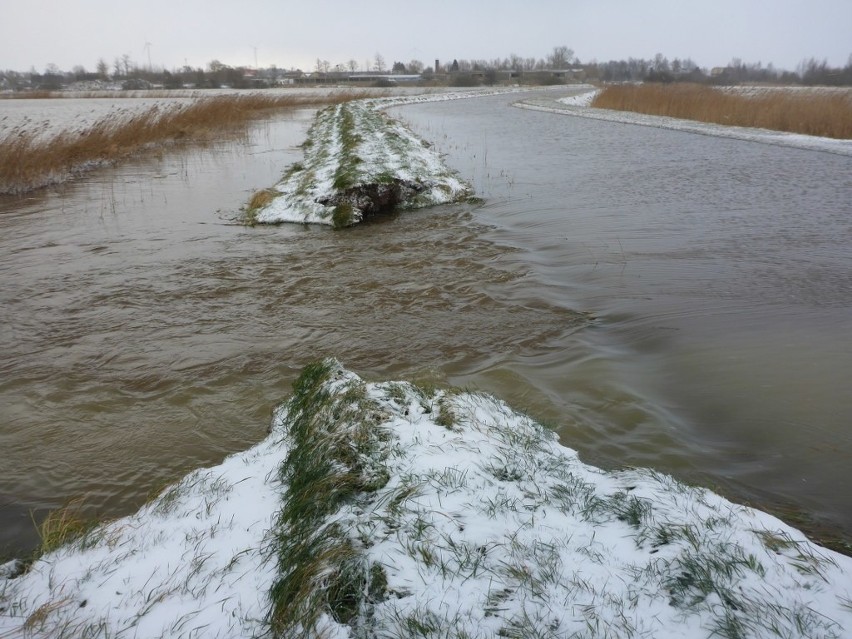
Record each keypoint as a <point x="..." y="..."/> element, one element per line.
<point x="581" y="99"/>
<point x="390" y="510"/>
<point x="195" y="562"/>
<point x="359" y="161"/>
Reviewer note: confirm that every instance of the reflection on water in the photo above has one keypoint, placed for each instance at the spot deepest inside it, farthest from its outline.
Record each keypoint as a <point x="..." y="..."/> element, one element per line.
<point x="659" y="298"/>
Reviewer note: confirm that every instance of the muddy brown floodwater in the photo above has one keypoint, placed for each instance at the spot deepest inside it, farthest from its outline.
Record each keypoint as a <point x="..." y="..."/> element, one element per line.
<point x="658" y="298"/>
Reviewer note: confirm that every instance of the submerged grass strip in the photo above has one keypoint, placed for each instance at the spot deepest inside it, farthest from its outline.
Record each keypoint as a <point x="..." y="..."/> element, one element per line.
<point x="29" y="161"/>
<point x="810" y="113"/>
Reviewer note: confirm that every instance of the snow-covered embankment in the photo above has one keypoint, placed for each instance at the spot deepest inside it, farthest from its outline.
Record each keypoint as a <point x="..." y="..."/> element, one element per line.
<point x="580" y="105"/>
<point x="389" y="510"/>
<point x="357" y="161"/>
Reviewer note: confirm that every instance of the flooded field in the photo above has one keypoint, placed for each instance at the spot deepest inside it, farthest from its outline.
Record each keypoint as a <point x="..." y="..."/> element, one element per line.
<point x="659" y="298"/>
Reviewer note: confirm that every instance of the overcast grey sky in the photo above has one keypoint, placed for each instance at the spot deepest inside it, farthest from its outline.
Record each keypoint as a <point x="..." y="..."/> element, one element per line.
<point x="288" y="33"/>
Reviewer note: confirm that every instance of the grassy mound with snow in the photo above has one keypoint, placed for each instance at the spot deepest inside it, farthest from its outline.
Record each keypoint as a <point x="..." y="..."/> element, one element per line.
<point x="357" y="161"/>
<point x="389" y="510"/>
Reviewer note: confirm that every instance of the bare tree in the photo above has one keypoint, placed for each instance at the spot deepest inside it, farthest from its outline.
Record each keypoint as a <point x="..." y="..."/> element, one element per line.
<point x="560" y="58"/>
<point x="103" y="69"/>
<point x="415" y="66"/>
<point x="353" y="65"/>
<point x="379" y="63"/>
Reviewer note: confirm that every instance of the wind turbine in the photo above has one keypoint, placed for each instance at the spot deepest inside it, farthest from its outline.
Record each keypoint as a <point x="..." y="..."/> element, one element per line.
<point x="147" y="48"/>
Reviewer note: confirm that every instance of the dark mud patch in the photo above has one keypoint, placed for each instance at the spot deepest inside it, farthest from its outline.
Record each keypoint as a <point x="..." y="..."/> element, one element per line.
<point x="357" y="202"/>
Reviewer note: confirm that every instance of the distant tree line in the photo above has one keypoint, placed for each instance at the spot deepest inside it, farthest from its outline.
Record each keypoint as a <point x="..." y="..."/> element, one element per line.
<point x="559" y="66"/>
<point x="809" y="72"/>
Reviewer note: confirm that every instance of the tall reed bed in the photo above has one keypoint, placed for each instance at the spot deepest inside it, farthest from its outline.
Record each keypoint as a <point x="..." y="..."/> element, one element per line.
<point x="29" y="160"/>
<point x="814" y="112"/>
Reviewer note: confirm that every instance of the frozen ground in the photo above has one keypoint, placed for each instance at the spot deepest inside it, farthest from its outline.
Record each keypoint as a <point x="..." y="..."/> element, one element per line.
<point x="462" y="518"/>
<point x="579" y="106"/>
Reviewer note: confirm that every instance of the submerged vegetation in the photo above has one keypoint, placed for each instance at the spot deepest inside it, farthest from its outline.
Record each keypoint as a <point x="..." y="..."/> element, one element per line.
<point x="29" y="160"/>
<point x="810" y="112"/>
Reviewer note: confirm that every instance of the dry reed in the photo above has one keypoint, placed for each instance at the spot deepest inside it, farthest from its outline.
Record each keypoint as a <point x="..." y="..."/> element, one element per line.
<point x="63" y="525"/>
<point x="30" y="161"/>
<point x="825" y="114"/>
<point x="261" y="198"/>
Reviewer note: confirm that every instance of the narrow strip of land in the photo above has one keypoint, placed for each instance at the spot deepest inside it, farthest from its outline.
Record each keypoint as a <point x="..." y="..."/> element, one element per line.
<point x="581" y="105"/>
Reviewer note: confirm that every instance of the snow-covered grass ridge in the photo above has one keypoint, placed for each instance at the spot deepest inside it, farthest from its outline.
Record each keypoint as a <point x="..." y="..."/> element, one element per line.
<point x="357" y="161"/>
<point x="391" y="510"/>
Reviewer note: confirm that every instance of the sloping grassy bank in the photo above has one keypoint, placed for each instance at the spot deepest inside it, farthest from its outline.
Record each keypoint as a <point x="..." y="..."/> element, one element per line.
<point x="815" y="112"/>
<point x="358" y="161"/>
<point x="30" y="161"/>
<point x="390" y="510"/>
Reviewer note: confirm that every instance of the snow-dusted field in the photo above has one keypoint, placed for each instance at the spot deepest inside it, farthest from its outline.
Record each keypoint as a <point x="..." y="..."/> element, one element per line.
<point x="49" y="117"/>
<point x="75" y="113"/>
<point x="468" y="520"/>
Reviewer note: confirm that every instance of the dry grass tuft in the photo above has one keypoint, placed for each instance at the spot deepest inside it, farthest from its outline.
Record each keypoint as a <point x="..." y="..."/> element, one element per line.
<point x="29" y="161"/>
<point x="63" y="525"/>
<point x="825" y="114"/>
<point x="261" y="199"/>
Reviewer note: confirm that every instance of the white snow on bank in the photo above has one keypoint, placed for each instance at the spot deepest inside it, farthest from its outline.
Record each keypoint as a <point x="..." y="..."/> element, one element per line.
<point x="580" y="100"/>
<point x="192" y="563"/>
<point x="579" y="106"/>
<point x="486" y="526"/>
